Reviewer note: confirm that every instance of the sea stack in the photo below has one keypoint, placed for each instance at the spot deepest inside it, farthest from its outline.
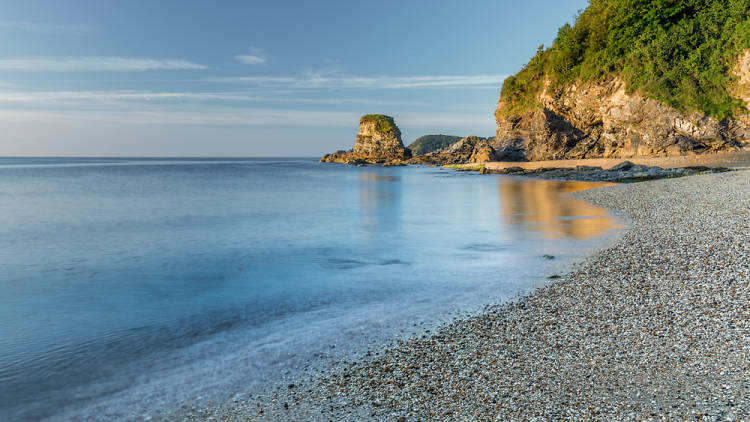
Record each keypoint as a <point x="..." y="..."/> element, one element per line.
<point x="378" y="142"/>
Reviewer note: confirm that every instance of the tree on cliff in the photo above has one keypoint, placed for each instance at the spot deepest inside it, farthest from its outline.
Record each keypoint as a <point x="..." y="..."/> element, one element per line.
<point x="680" y="52"/>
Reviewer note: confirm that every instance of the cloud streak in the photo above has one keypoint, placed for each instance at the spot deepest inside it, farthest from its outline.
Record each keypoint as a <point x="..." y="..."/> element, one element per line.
<point x="250" y="59"/>
<point x="319" y="81"/>
<point x="44" y="97"/>
<point x="244" y="117"/>
<point x="257" y="57"/>
<point x="52" y="97"/>
<point x="106" y="64"/>
<point x="195" y="117"/>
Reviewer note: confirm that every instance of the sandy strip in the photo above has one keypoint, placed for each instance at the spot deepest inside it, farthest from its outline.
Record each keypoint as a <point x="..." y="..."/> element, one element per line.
<point x="655" y="327"/>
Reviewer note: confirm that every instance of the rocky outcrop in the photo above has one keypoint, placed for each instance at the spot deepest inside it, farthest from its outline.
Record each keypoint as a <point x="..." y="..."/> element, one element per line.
<point x="378" y="142"/>
<point x="472" y="149"/>
<point x="623" y="172"/>
<point x="483" y="153"/>
<point x="602" y="119"/>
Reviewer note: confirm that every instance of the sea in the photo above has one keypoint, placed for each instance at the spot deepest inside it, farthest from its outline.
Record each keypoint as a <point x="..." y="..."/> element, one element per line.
<point x="131" y="286"/>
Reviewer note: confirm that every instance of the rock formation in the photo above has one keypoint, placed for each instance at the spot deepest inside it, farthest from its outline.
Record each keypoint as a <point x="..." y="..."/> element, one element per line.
<point x="483" y="153"/>
<point x="472" y="149"/>
<point x="378" y="142"/>
<point x="623" y="172"/>
<point x="603" y="120"/>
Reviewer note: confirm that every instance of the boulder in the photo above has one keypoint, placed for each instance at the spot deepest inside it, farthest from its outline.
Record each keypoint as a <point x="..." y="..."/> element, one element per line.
<point x="624" y="166"/>
<point x="482" y="153"/>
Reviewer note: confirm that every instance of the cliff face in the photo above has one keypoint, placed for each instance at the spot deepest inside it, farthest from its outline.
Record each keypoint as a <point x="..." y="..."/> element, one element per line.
<point x="603" y="120"/>
<point x="378" y="141"/>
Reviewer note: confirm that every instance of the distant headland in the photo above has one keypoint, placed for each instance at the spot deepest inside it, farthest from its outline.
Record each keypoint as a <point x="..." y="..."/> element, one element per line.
<point x="379" y="142"/>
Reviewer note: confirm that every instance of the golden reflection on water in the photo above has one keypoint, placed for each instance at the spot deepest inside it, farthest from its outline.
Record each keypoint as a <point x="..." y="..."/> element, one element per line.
<point x="542" y="206"/>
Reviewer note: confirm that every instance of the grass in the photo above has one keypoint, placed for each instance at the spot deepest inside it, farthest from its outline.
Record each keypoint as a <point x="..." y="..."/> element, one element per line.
<point x="382" y="122"/>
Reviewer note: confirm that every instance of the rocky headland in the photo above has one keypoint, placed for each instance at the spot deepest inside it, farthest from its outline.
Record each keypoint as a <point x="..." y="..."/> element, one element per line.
<point x="601" y="119"/>
<point x="668" y="80"/>
<point x="657" y="79"/>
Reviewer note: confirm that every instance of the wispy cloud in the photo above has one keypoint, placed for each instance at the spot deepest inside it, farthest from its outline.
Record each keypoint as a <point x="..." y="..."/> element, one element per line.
<point x="257" y="56"/>
<point x="45" y="27"/>
<point x="205" y="117"/>
<point x="319" y="81"/>
<point x="250" y="59"/>
<point x="249" y="117"/>
<point x="113" y="64"/>
<point x="43" y="97"/>
<point x="52" y="97"/>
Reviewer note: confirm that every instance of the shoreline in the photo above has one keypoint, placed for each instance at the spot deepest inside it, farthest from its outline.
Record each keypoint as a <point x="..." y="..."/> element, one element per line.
<point x="739" y="158"/>
<point x="204" y="373"/>
<point x="628" y="333"/>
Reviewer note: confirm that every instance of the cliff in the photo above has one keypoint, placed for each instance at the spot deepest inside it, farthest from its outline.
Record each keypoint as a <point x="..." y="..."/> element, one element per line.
<point x="378" y="142"/>
<point x="633" y="78"/>
<point x="601" y="119"/>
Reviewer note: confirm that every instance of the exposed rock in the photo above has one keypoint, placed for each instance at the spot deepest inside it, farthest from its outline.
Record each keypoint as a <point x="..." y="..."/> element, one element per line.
<point x="482" y="153"/>
<point x="596" y="120"/>
<point x="623" y="172"/>
<point x="472" y="149"/>
<point x="394" y="163"/>
<point x="378" y="141"/>
<point x="625" y="165"/>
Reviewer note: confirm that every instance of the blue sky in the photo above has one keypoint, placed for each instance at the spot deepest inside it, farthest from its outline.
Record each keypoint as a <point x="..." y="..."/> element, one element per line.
<point x="254" y="78"/>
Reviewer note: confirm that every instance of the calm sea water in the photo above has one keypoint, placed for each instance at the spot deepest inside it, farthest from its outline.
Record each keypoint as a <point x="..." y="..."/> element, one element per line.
<point x="130" y="285"/>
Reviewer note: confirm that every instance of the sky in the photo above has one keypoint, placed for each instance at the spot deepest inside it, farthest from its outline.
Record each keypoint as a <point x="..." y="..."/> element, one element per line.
<point x="255" y="78"/>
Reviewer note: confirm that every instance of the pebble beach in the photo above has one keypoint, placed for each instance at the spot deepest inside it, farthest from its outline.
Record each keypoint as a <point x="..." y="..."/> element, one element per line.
<point x="654" y="327"/>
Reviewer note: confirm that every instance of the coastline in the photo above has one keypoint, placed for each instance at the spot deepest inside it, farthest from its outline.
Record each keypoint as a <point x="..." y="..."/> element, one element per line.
<point x="655" y="325"/>
<point x="740" y="158"/>
<point x="457" y="278"/>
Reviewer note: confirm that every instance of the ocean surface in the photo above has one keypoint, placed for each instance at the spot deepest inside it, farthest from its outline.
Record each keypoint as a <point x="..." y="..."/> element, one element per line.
<point x="133" y="285"/>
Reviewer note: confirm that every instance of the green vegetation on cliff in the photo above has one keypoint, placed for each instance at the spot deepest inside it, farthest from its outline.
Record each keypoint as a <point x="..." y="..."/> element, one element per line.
<point x="429" y="143"/>
<point x="680" y="52"/>
<point x="382" y="122"/>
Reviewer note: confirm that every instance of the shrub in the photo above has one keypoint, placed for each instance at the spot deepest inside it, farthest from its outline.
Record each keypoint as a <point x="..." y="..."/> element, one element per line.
<point x="383" y="123"/>
<point x="680" y="52"/>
